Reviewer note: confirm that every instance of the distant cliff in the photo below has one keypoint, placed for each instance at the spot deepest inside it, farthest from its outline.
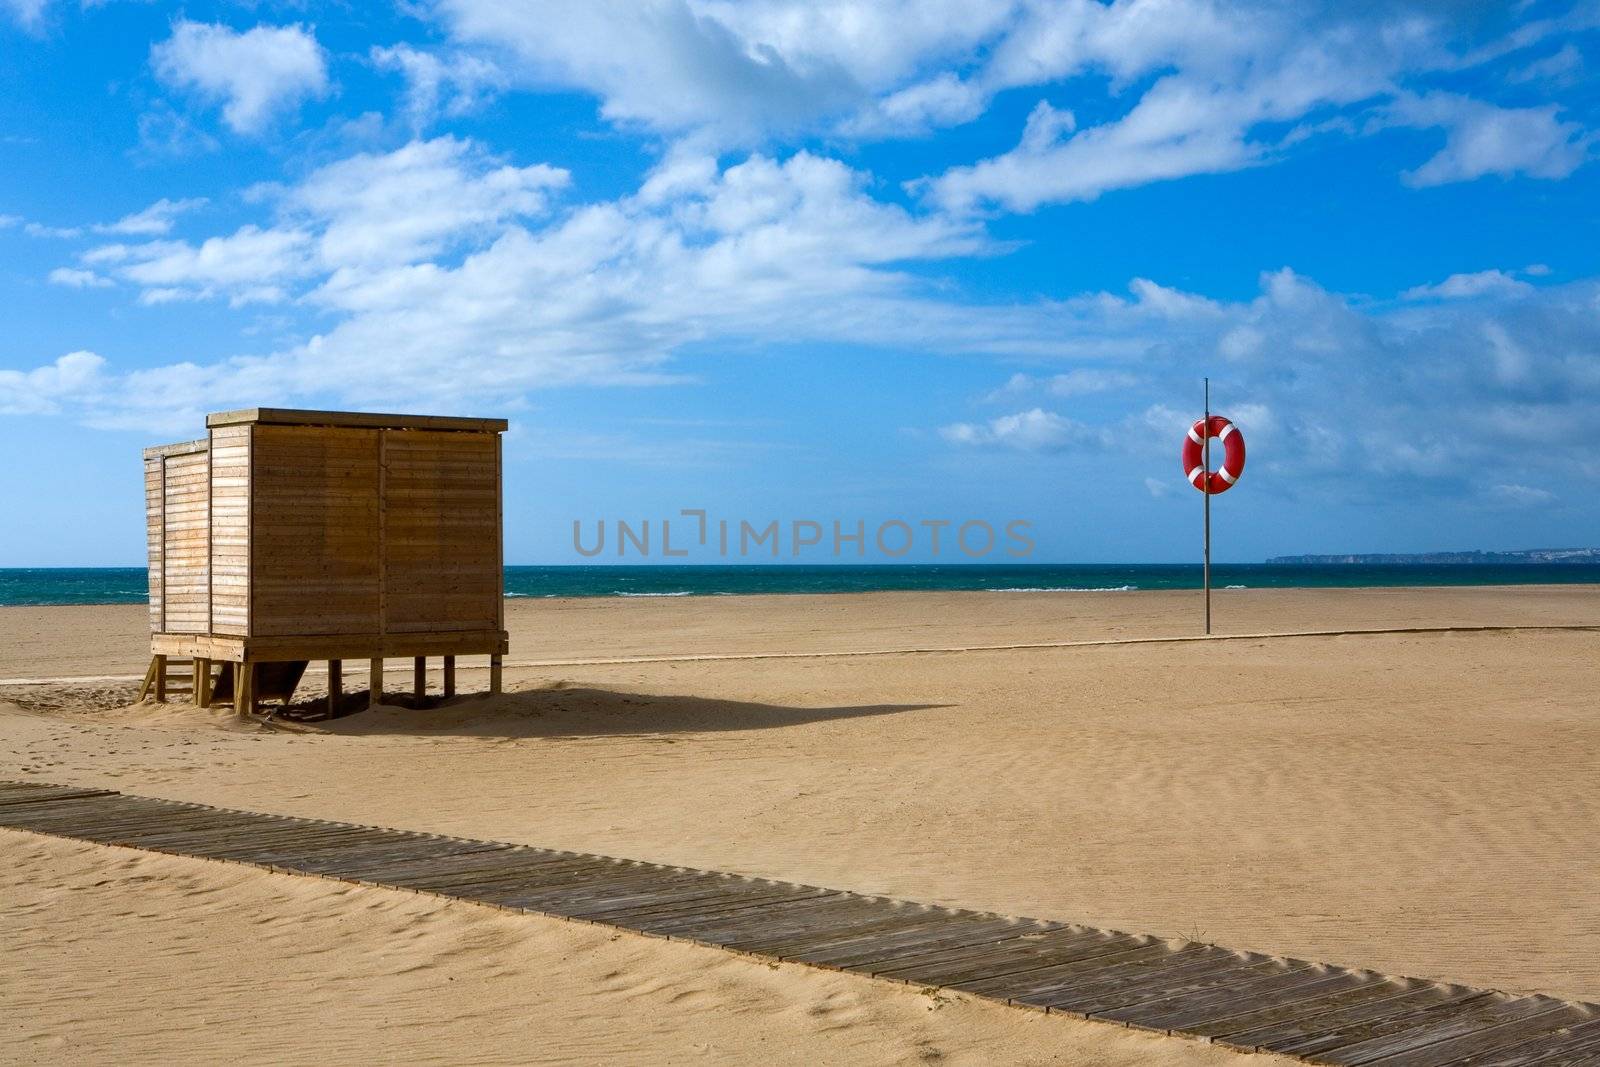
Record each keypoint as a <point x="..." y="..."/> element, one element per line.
<point x="1529" y="555"/>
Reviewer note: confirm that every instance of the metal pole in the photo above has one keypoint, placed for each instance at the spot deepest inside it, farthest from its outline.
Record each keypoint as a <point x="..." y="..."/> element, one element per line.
<point x="1206" y="487"/>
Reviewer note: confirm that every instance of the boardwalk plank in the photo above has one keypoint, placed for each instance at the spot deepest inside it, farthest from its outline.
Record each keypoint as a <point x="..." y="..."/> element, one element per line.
<point x="153" y="826"/>
<point x="228" y="828"/>
<point x="1279" y="998"/>
<point x="688" y="886"/>
<point x="1025" y="952"/>
<point x="441" y="873"/>
<point x="223" y="842"/>
<point x="723" y="897"/>
<point x="1247" y="982"/>
<point x="1280" y="1032"/>
<point x="1576" y="1039"/>
<point x="975" y="933"/>
<point x="1007" y="968"/>
<point x="45" y="794"/>
<point x="836" y="910"/>
<point x="132" y="820"/>
<point x="1043" y="979"/>
<point x="543" y="893"/>
<point x="1386" y="1042"/>
<point x="355" y="863"/>
<point x="957" y="933"/>
<point x="565" y="882"/>
<point x="566" y="876"/>
<point x="636" y="918"/>
<point x="687" y="927"/>
<point x="330" y="838"/>
<point x="559" y="901"/>
<point x="1480" y="1043"/>
<point x="1086" y="995"/>
<point x="60" y="813"/>
<point x="255" y="849"/>
<point x="877" y="923"/>
<point x="1571" y="1045"/>
<point x="1404" y="1022"/>
<point x="577" y="900"/>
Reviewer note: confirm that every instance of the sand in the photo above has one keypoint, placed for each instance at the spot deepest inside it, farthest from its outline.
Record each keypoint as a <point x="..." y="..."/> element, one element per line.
<point x="115" y="956"/>
<point x="1421" y="804"/>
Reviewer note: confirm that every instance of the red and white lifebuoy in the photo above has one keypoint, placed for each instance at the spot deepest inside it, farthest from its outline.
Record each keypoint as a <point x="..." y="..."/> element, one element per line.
<point x="1232" y="441"/>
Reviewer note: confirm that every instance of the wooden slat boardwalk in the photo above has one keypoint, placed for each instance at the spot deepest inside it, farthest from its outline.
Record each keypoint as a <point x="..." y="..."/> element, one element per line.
<point x="1247" y="1001"/>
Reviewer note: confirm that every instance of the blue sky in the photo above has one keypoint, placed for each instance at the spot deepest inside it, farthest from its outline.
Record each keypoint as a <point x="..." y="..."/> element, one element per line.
<point x="832" y="260"/>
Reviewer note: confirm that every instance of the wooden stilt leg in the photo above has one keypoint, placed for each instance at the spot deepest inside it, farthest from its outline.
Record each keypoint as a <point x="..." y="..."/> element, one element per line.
<point x="375" y="684"/>
<point x="449" y="676"/>
<point x="202" y="683"/>
<point x="335" y="686"/>
<point x="161" y="679"/>
<point x="419" y="681"/>
<point x="244" y="689"/>
<point x="148" y="685"/>
<point x="494" y="674"/>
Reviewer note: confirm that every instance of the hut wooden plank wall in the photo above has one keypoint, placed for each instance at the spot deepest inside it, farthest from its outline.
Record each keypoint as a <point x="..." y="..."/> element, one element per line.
<point x="289" y="535"/>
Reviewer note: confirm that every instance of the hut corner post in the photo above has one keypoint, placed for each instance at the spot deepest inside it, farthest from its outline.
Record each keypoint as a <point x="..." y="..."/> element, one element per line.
<point x="335" y="686"/>
<point x="244" y="689"/>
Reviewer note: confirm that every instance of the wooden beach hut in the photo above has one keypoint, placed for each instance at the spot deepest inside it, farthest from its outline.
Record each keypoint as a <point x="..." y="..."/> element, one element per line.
<point x="287" y="536"/>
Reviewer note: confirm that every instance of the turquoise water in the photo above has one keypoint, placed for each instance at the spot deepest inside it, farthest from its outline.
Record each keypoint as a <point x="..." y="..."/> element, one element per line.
<point x="126" y="585"/>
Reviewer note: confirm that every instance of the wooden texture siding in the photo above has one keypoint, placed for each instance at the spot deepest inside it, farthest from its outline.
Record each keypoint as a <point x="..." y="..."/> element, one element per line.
<point x="185" y="570"/>
<point x="230" y="530"/>
<point x="314" y="559"/>
<point x="441" y="531"/>
<point x="155" y="533"/>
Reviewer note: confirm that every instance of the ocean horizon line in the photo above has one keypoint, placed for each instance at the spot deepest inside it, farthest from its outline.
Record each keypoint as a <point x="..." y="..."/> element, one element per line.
<point x="59" y="586"/>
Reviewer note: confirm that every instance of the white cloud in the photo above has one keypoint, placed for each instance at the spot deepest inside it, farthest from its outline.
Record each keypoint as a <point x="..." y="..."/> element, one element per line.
<point x="1563" y="67"/>
<point x="1035" y="430"/>
<point x="73" y="378"/>
<point x="602" y="294"/>
<point x="1081" y="381"/>
<point x="250" y="263"/>
<point x="1184" y="124"/>
<point x="1466" y="286"/>
<point x="943" y="100"/>
<point x="1227" y="77"/>
<point x="78" y="279"/>
<point x="343" y="221"/>
<point x="441" y="85"/>
<point x="1087" y="380"/>
<point x="866" y="67"/>
<point x="29" y="14"/>
<point x="1525" y="370"/>
<point x="734" y="70"/>
<point x="164" y="134"/>
<point x="154" y="220"/>
<point x="256" y="75"/>
<point x="411" y="203"/>
<point x="1520" y="496"/>
<point x="445" y="274"/>
<point x="1483" y="139"/>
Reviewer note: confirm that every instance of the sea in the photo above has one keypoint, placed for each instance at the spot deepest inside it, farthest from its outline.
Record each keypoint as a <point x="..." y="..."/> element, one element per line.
<point x="127" y="585"/>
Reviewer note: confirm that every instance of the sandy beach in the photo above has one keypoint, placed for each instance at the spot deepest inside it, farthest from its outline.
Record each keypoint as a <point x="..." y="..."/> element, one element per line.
<point x="1418" y="803"/>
